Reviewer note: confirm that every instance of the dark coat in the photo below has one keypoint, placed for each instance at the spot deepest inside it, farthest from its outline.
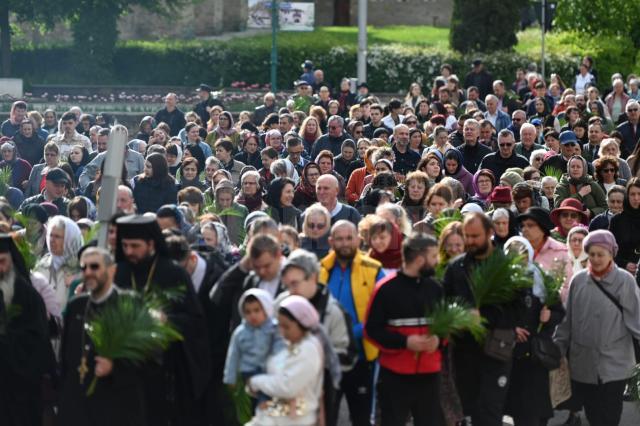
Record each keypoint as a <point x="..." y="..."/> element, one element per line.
<point x="498" y="165"/>
<point x="628" y="140"/>
<point x="330" y="143"/>
<point x="175" y="120"/>
<point x="625" y="227"/>
<point x="151" y="194"/>
<point x="118" y="398"/>
<point x="473" y="155"/>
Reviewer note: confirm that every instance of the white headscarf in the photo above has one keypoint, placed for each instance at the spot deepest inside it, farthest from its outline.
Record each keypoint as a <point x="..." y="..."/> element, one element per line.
<point x="538" y="285"/>
<point x="580" y="260"/>
<point x="72" y="240"/>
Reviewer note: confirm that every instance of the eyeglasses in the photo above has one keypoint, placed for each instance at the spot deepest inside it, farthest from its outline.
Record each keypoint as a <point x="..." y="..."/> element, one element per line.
<point x="611" y="170"/>
<point x="516" y="119"/>
<point x="314" y="225"/>
<point x="334" y="127"/>
<point x="92" y="266"/>
<point x="411" y="123"/>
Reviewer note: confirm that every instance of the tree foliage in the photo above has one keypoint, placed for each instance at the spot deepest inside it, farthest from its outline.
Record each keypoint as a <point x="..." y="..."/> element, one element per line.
<point x="484" y="25"/>
<point x="606" y="17"/>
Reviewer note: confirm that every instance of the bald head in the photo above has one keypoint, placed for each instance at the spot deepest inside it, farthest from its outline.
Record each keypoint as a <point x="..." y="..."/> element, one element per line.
<point x="327" y="189"/>
<point x="344" y="226"/>
<point x="344" y="241"/>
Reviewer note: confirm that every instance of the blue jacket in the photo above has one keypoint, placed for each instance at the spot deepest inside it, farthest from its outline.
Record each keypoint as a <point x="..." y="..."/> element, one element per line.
<point x="502" y="120"/>
<point x="249" y="349"/>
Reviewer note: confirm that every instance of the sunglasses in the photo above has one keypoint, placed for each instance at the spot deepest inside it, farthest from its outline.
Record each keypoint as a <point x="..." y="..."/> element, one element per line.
<point x="569" y="215"/>
<point x="313" y="225"/>
<point x="632" y="110"/>
<point x="516" y="119"/>
<point x="92" y="266"/>
<point x="608" y="170"/>
<point x="503" y="145"/>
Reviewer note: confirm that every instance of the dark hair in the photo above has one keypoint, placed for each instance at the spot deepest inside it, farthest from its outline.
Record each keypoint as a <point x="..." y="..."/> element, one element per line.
<point x="285" y="312"/>
<point x="601" y="163"/>
<point x="191" y="195"/>
<point x="79" y="204"/>
<point x="159" y="166"/>
<point x="67" y="116"/>
<point x="178" y="247"/>
<point x="250" y="299"/>
<point x="269" y="152"/>
<point x="172" y="149"/>
<point x="225" y="144"/>
<point x="384" y="180"/>
<point x="188" y="161"/>
<point x="486" y="223"/>
<point x="415" y="244"/>
<point x="263" y="243"/>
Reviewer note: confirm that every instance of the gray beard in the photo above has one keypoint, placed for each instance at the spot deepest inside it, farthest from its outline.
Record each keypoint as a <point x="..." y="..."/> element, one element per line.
<point x="7" y="285"/>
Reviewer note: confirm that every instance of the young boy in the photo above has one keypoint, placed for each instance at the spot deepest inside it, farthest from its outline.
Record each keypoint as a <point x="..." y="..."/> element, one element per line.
<point x="253" y="340"/>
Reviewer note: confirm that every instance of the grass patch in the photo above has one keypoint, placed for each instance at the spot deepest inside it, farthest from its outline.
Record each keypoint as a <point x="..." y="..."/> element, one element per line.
<point x="423" y="36"/>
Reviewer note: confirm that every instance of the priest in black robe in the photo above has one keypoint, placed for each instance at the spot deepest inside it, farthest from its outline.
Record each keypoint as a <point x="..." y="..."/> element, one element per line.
<point x="25" y="350"/>
<point x="174" y="391"/>
<point x="118" y="398"/>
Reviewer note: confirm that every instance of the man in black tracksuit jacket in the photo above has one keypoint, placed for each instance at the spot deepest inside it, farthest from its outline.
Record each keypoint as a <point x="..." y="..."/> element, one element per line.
<point x="482" y="382"/>
<point x="410" y="359"/>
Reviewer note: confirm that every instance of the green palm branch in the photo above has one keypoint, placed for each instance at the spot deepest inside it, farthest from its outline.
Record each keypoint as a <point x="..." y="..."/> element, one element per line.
<point x="241" y="402"/>
<point x="553" y="281"/>
<point x="130" y="329"/>
<point x="446" y="218"/>
<point x="5" y="179"/>
<point x="552" y="171"/>
<point x="497" y="279"/>
<point x="454" y="317"/>
<point x="27" y="251"/>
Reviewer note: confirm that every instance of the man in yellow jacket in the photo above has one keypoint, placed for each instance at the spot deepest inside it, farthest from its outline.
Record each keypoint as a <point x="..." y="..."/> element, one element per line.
<point x="351" y="277"/>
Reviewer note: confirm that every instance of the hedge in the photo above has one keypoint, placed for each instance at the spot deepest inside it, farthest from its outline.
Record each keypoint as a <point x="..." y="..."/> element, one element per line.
<point x="391" y="67"/>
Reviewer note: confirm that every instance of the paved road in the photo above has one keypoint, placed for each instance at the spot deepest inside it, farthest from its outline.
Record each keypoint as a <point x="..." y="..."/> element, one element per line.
<point x="630" y="416"/>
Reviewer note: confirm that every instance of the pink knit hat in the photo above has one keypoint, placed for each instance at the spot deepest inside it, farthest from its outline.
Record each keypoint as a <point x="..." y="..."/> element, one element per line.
<point x="302" y="310"/>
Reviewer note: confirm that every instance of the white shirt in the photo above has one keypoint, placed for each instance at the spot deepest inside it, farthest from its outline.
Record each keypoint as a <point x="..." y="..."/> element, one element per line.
<point x="582" y="81"/>
<point x="198" y="273"/>
<point x="336" y="209"/>
<point x="491" y="117"/>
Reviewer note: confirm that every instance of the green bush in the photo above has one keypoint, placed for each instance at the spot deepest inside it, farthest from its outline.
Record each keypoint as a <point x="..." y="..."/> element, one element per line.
<point x="391" y="67"/>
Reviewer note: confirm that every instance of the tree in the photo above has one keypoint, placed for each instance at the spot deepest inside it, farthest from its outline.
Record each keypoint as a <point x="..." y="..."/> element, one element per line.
<point x="37" y="12"/>
<point x="600" y="17"/>
<point x="485" y="25"/>
<point x="95" y="30"/>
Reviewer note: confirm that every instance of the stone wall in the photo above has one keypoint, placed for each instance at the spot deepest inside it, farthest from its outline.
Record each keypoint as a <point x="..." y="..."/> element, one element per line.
<point x="392" y="12"/>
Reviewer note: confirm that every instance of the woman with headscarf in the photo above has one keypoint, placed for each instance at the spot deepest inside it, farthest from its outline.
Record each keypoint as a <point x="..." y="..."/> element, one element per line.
<point x="224" y="129"/>
<point x="215" y="236"/>
<point x="154" y="187"/>
<point x="81" y="207"/>
<point x="385" y="244"/>
<point x="528" y="399"/>
<point x="192" y="150"/>
<point x="174" y="157"/>
<point x="625" y="227"/>
<point x="250" y="194"/>
<point x="189" y="175"/>
<point x="294" y="375"/>
<point x="576" y="183"/>
<point x="60" y="265"/>
<point x="230" y="213"/>
<point x="577" y="255"/>
<point x="454" y="167"/>
<point x="20" y="169"/>
<point x="305" y="193"/>
<point x="144" y="129"/>
<point x="603" y="318"/>
<point x="78" y="159"/>
<point x="279" y="198"/>
<point x="505" y="226"/>
<point x="483" y="183"/>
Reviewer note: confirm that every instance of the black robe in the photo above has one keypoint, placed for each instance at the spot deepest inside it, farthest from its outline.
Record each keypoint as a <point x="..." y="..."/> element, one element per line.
<point x="118" y="398"/>
<point x="25" y="356"/>
<point x="174" y="391"/>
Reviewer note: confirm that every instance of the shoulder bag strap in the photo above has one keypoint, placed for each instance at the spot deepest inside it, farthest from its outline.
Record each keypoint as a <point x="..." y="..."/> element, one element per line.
<point x="609" y="295"/>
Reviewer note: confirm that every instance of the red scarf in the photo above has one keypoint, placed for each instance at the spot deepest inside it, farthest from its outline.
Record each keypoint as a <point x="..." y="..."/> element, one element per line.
<point x="392" y="256"/>
<point x="598" y="275"/>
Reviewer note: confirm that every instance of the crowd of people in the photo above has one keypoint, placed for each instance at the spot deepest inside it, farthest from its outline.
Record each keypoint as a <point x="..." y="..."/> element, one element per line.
<point x="307" y="238"/>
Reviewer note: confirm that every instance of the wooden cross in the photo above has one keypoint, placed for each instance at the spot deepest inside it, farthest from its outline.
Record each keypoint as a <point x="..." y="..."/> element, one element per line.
<point x="83" y="369"/>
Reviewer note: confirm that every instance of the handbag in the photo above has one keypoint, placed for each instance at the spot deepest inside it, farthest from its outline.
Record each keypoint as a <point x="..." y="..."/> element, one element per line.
<point x="499" y="344"/>
<point x="545" y="352"/>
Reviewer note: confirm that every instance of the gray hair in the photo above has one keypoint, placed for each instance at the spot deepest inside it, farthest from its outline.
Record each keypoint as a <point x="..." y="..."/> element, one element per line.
<point x="278" y="167"/>
<point x="337" y="118"/>
<point x="506" y="133"/>
<point x="527" y="126"/>
<point x="535" y="153"/>
<point x="631" y="103"/>
<point x="546" y="179"/>
<point x="213" y="160"/>
<point x="252" y="173"/>
<point x="304" y="260"/>
<point x="107" y="258"/>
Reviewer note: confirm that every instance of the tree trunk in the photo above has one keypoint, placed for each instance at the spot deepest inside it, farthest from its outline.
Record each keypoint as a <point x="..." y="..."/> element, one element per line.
<point x="5" y="38"/>
<point x="342" y="12"/>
